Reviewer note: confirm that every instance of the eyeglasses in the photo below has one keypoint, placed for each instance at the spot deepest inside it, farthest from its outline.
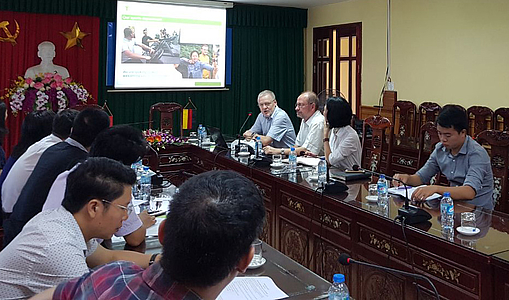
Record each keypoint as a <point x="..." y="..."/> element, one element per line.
<point x="299" y="105"/>
<point x="267" y="104"/>
<point x="128" y="208"/>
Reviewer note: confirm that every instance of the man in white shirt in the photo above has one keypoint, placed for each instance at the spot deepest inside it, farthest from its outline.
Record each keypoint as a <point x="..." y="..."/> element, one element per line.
<point x="310" y="137"/>
<point x="58" y="245"/>
<point x="23" y="167"/>
<point x="129" y="50"/>
<point x="122" y="143"/>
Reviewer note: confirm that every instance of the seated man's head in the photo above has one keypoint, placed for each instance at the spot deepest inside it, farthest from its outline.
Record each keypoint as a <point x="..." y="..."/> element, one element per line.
<point x="62" y="123"/>
<point x="452" y="126"/>
<point x="267" y="102"/>
<point x="121" y="142"/>
<point x="307" y="104"/>
<point x="98" y="194"/>
<point x="338" y="112"/>
<point x="36" y="126"/>
<point x="128" y="33"/>
<point x="87" y="125"/>
<point x="212" y="222"/>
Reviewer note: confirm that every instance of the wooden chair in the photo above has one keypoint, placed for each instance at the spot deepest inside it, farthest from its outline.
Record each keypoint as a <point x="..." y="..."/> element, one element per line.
<point x="498" y="142"/>
<point x="403" y="118"/>
<point x="480" y="118"/>
<point x="372" y="153"/>
<point x="427" y="112"/>
<point x="166" y="119"/>
<point x="81" y="107"/>
<point x="428" y="139"/>
<point x="501" y="119"/>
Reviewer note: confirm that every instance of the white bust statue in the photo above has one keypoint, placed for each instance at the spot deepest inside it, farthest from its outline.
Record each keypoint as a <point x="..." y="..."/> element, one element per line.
<point x="46" y="53"/>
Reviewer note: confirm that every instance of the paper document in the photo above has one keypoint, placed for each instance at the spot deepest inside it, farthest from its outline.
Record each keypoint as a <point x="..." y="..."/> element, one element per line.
<point x="154" y="229"/>
<point x="307" y="161"/>
<point x="401" y="192"/>
<point x="252" y="288"/>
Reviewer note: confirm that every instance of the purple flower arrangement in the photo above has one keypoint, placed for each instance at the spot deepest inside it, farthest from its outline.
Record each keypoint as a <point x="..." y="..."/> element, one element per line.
<point x="45" y="92"/>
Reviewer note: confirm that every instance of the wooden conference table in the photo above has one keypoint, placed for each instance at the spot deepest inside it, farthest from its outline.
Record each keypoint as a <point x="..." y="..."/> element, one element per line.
<point x="313" y="230"/>
<point x="298" y="282"/>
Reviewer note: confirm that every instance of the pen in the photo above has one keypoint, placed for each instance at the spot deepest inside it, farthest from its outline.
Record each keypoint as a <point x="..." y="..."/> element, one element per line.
<point x="403" y="187"/>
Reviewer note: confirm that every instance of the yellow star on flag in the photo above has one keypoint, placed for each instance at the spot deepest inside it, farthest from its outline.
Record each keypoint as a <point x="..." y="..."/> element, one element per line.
<point x="74" y="36"/>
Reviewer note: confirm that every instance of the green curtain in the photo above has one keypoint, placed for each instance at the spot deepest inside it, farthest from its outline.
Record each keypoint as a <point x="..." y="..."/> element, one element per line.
<point x="268" y="53"/>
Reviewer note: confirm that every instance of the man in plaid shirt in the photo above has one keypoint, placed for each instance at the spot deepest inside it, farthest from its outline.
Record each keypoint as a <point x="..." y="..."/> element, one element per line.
<point x="212" y="221"/>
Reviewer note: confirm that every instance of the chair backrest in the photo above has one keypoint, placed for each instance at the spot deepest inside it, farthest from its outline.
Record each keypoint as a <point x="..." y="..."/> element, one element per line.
<point x="480" y="118"/>
<point x="80" y="107"/>
<point x="373" y="152"/>
<point x="428" y="112"/>
<point x="404" y="118"/>
<point x="428" y="138"/>
<point x="167" y="111"/>
<point x="501" y="119"/>
<point x="498" y="142"/>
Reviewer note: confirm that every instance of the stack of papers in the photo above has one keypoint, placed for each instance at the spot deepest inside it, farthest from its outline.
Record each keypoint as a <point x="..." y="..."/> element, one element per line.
<point x="252" y="288"/>
<point x="401" y="192"/>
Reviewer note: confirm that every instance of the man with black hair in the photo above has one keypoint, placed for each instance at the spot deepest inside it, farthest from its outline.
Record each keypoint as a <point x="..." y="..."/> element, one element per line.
<point x="58" y="245"/>
<point x="18" y="175"/>
<point x="122" y="143"/>
<point x="56" y="159"/>
<point x="464" y="162"/>
<point x="207" y="242"/>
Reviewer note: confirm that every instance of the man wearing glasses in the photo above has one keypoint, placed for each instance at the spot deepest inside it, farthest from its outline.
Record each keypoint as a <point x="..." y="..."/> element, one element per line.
<point x="272" y="125"/>
<point x="58" y="245"/>
<point x="310" y="137"/>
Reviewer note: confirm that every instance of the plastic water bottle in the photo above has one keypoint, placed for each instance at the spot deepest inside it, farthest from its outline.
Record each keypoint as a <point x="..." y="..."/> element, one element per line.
<point x="136" y="186"/>
<point x="201" y="137"/>
<point x="322" y="172"/>
<point x="382" y="189"/>
<point x="292" y="159"/>
<point x="447" y="211"/>
<point x="146" y="188"/>
<point x="338" y="289"/>
<point x="259" y="147"/>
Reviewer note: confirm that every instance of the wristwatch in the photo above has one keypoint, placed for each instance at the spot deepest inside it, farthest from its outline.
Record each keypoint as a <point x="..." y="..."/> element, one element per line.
<point x="282" y="151"/>
<point x="152" y="259"/>
<point x="325" y="140"/>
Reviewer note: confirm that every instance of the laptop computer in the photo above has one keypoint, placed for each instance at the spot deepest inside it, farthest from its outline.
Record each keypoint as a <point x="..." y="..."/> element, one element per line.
<point x="217" y="137"/>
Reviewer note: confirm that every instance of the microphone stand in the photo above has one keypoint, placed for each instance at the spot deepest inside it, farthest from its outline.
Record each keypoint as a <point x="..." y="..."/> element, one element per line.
<point x="237" y="147"/>
<point x="409" y="214"/>
<point x="332" y="187"/>
<point x="345" y="260"/>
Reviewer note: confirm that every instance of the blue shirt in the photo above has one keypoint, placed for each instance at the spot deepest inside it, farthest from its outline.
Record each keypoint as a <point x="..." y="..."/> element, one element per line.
<point x="195" y="70"/>
<point x="471" y="166"/>
<point x="278" y="126"/>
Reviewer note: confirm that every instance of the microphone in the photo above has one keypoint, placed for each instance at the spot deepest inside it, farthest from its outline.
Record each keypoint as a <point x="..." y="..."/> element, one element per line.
<point x="346" y="260"/>
<point x="245" y="121"/>
<point x="410" y="214"/>
<point x="237" y="147"/>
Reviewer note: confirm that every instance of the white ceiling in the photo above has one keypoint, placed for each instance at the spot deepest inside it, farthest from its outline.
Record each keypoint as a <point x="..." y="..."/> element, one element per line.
<point x="287" y="3"/>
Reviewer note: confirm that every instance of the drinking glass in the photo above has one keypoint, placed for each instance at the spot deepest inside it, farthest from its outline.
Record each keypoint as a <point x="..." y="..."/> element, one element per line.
<point x="468" y="220"/>
<point x="276" y="158"/>
<point x="372" y="190"/>
<point x="257" y="258"/>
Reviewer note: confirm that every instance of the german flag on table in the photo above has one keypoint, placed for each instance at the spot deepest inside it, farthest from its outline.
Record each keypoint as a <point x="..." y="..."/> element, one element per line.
<point x="187" y="118"/>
